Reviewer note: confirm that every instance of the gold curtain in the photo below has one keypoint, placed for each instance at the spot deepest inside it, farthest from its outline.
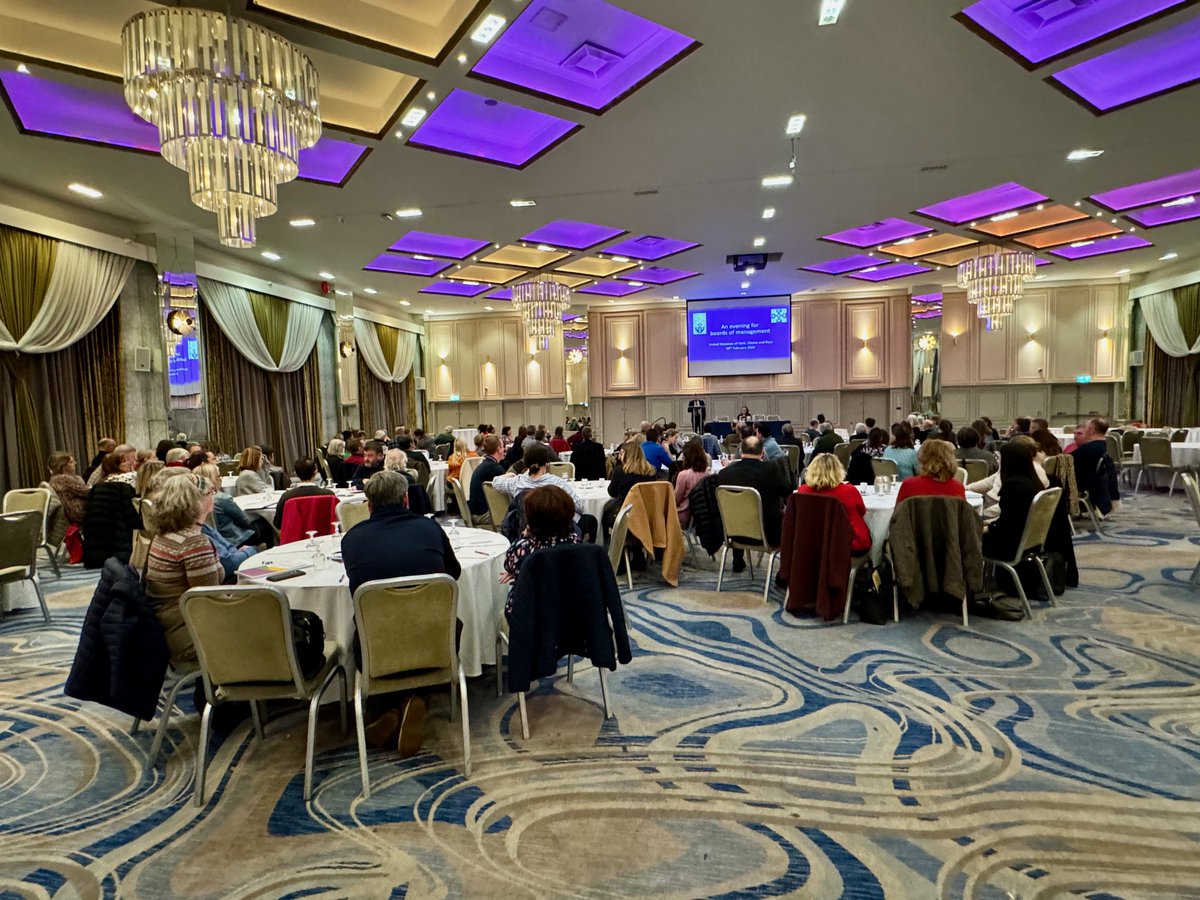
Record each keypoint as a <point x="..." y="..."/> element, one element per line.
<point x="271" y="317"/>
<point x="247" y="405"/>
<point x="26" y="264"/>
<point x="1173" y="383"/>
<point x="381" y="404"/>
<point x="389" y="339"/>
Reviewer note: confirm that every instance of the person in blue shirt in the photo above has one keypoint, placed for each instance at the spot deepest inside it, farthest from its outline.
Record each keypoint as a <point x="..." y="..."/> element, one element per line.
<point x="770" y="446"/>
<point x="655" y="453"/>
<point x="230" y="556"/>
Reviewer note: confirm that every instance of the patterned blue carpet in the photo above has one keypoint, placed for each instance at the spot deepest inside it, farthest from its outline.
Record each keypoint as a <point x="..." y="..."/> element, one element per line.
<point x="751" y="755"/>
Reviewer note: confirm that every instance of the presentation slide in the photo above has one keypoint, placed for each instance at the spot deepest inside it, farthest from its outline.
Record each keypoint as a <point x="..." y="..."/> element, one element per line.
<point x="746" y="336"/>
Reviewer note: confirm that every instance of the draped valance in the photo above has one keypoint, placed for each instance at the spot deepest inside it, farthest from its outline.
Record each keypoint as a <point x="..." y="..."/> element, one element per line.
<point x="388" y="352"/>
<point x="275" y="335"/>
<point x="1162" y="318"/>
<point x="52" y="293"/>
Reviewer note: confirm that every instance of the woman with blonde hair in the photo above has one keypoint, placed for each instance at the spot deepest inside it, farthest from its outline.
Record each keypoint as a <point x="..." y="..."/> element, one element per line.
<point x="145" y="475"/>
<point x="249" y="481"/>
<point x="456" y="459"/>
<point x="633" y="469"/>
<point x="396" y="460"/>
<point x="937" y="467"/>
<point x="825" y="477"/>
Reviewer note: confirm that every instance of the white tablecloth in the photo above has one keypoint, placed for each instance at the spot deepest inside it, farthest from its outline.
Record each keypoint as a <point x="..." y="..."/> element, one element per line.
<point x="437" y="483"/>
<point x="263" y="505"/>
<point x="594" y="495"/>
<point x="467" y="436"/>
<point x="324" y="591"/>
<point x="879" y="515"/>
<point x="1193" y="436"/>
<point x="1182" y="454"/>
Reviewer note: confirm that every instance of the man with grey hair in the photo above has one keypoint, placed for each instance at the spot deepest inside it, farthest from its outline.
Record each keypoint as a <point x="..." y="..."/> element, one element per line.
<point x="827" y="441"/>
<point x="128" y="454"/>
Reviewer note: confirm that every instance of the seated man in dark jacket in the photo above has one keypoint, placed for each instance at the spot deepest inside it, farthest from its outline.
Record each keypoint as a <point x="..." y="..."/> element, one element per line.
<point x="372" y="464"/>
<point x="827" y="441"/>
<point x="770" y="482"/>
<point x="588" y="458"/>
<point x="392" y="543"/>
<point x="484" y="473"/>
<point x="1093" y="471"/>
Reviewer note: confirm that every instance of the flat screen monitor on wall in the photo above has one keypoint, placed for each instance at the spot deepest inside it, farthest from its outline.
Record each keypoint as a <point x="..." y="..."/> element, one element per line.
<point x="744" y="336"/>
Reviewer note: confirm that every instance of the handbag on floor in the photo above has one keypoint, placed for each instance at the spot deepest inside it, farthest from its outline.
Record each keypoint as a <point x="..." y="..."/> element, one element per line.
<point x="308" y="632"/>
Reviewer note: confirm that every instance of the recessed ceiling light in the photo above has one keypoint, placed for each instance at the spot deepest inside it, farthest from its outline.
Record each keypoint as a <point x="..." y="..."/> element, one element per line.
<point x="410" y="213"/>
<point x="90" y="192"/>
<point x="830" y="10"/>
<point x="399" y="135"/>
<point x="760" y="242"/>
<point x="1079" y="244"/>
<point x="636" y="284"/>
<point x="326" y="275"/>
<point x="406" y="303"/>
<point x="620" y="259"/>
<point x="371" y="291"/>
<point x="1039" y="277"/>
<point x="1182" y="201"/>
<point x="342" y="293"/>
<point x="545" y="248"/>
<point x="769" y="212"/>
<point x="1079" y="203"/>
<point x="777" y="181"/>
<point x="488" y="29"/>
<point x="1004" y="217"/>
<point x="489" y="308"/>
<point x="274" y="257"/>
<point x="413" y="117"/>
<point x="519" y="204"/>
<point x="462" y="58"/>
<point x="423" y="257"/>
<point x="22" y="68"/>
<point x="1123" y="271"/>
<point x="1169" y="256"/>
<point x="1079" y="155"/>
<point x="428" y="312"/>
<point x="745" y="284"/>
<point x="750" y="270"/>
<point x="907" y="240"/>
<point x="795" y="125"/>
<point x="302" y="223"/>
<point x="1041" y="206"/>
<point x="431" y="95"/>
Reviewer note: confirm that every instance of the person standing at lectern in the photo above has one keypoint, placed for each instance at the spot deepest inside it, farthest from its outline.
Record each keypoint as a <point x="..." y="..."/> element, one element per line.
<point x="695" y="408"/>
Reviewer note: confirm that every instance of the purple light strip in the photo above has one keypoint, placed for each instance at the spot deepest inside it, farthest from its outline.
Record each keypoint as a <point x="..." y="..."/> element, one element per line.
<point x="406" y="265"/>
<point x="891" y="272"/>
<point x="502" y="294"/>
<point x="886" y="231"/>
<point x="927" y="298"/>
<point x="571" y="235"/>
<point x="1104" y="246"/>
<point x="1160" y="190"/>
<point x="843" y="265"/>
<point x="455" y="288"/>
<point x="1138" y="71"/>
<point x="611" y="289"/>
<point x="431" y="244"/>
<point x="1041" y="31"/>
<point x="994" y="200"/>
<point x="1165" y="215"/>
<point x="657" y="275"/>
<point x="649" y="247"/>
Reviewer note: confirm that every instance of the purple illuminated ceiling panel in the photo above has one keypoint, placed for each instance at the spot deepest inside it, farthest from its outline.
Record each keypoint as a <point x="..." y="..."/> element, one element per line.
<point x="611" y="289"/>
<point x="466" y="124"/>
<point x="502" y="294"/>
<point x="456" y="288"/>
<point x="586" y="53"/>
<point x="999" y="199"/>
<point x="843" y="265"/>
<point x="891" y="272"/>
<point x="1160" y="190"/>
<point x="878" y="233"/>
<point x="101" y="117"/>
<point x="1118" y="244"/>
<point x="570" y="235"/>
<point x="648" y="247"/>
<point x="657" y="275"/>
<point x="406" y="265"/>
<point x="935" y="297"/>
<point x="1138" y="71"/>
<point x="431" y="244"/>
<point x="1166" y="214"/>
<point x="1037" y="31"/>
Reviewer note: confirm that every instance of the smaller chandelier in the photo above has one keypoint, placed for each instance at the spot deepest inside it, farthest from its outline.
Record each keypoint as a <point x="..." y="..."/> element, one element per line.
<point x="575" y="356"/>
<point x="995" y="282"/>
<point x="542" y="302"/>
<point x="927" y="342"/>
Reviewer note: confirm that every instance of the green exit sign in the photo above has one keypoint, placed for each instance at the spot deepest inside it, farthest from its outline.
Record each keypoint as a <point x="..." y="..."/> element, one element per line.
<point x="1083" y="379"/>
<point x="454" y="398"/>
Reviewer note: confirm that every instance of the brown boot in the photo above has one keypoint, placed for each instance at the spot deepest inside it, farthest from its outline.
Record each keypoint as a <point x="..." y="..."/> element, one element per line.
<point x="412" y="728"/>
<point x="384" y="731"/>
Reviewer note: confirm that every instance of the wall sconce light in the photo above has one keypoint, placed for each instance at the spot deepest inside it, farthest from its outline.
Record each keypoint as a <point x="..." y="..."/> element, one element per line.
<point x="1032" y="333"/>
<point x="1104" y="333"/>
<point x="442" y="356"/>
<point x="346" y="349"/>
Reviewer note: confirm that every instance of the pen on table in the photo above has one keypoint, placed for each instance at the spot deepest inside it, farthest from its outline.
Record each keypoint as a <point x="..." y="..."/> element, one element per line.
<point x="342" y="578"/>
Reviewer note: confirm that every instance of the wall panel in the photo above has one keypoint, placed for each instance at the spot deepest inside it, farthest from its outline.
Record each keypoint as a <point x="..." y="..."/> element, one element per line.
<point x="1072" y="351"/>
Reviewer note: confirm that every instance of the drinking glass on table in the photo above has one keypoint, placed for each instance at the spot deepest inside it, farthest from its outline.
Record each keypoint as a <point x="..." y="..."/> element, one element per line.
<point x="314" y="548"/>
<point x="452" y="522"/>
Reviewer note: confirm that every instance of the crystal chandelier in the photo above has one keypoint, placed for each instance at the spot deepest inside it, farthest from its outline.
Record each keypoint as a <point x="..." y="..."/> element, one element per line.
<point x="234" y="105"/>
<point x="542" y="302"/>
<point x="995" y="282"/>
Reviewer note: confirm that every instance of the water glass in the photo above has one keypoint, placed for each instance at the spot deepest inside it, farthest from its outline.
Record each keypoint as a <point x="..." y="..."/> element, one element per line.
<point x="314" y="548"/>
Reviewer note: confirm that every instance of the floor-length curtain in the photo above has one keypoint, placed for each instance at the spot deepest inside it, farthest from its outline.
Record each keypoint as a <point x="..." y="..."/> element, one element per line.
<point x="248" y="405"/>
<point x="1173" y="382"/>
<point x="381" y="404"/>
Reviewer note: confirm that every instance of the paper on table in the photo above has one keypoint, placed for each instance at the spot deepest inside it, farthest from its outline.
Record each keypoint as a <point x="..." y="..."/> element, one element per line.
<point x="260" y="571"/>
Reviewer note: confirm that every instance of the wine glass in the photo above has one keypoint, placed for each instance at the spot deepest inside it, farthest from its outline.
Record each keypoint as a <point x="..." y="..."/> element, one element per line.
<point x="314" y="548"/>
<point x="453" y="523"/>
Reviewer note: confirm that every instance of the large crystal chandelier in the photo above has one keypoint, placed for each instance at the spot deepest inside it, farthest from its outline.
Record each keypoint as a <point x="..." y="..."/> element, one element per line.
<point x="995" y="282"/>
<point x="234" y="105"/>
<point x="542" y="302"/>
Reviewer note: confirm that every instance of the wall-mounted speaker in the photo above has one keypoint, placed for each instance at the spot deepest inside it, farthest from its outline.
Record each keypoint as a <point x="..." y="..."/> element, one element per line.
<point x="141" y="359"/>
<point x="419" y="383"/>
<point x="1137" y="358"/>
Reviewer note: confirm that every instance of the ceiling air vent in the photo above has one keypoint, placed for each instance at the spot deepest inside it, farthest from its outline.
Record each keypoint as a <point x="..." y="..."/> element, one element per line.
<point x="940" y="167"/>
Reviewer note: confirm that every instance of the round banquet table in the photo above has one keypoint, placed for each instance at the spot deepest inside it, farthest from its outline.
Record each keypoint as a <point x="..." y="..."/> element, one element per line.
<point x="324" y="591"/>
<point x="1182" y="454"/>
<point x="594" y="495"/>
<point x="879" y="515"/>
<point x="437" y="484"/>
<point x="263" y="504"/>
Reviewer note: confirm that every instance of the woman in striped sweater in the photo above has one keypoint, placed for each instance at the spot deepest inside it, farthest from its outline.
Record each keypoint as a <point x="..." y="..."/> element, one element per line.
<point x="181" y="557"/>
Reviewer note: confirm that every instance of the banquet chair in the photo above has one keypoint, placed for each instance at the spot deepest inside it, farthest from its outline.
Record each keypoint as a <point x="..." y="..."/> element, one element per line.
<point x="1112" y="446"/>
<point x="562" y="470"/>
<point x="731" y="442"/>
<point x="741" y="514"/>
<point x="139" y="556"/>
<point x="419" y="463"/>
<point x="497" y="504"/>
<point x="246" y="651"/>
<point x="350" y="514"/>
<point x="842" y="452"/>
<point x="795" y="455"/>
<point x="406" y="629"/>
<point x="1037" y="527"/>
<point x="977" y="469"/>
<point x="178" y="677"/>
<point x="855" y="443"/>
<point x="34" y="500"/>
<point x="884" y="467"/>
<point x="1192" y="489"/>
<point x="617" y="549"/>
<point x="1129" y="440"/>
<point x="772" y="418"/>
<point x="1156" y="456"/>
<point x="227" y="468"/>
<point x="470" y="464"/>
<point x="304" y="514"/>
<point x="19" y="536"/>
<point x="460" y="500"/>
<point x="960" y="475"/>
<point x="145" y="510"/>
<point x="442" y="451"/>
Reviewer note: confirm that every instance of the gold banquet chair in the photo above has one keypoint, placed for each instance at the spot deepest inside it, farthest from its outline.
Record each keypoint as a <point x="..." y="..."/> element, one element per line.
<point x="1037" y="527"/>
<point x="34" y="500"/>
<point x="19" y="536"/>
<point x="350" y="514"/>
<point x="742" y="519"/>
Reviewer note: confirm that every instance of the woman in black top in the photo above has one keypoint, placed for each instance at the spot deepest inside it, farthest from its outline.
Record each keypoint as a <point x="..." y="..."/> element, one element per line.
<point x="632" y="469"/>
<point x="860" y="470"/>
<point x="1019" y="484"/>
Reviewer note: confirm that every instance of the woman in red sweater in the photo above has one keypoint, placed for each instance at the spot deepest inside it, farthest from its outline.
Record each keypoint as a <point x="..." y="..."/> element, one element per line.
<point x="826" y="477"/>
<point x="557" y="443"/>
<point x="937" y="467"/>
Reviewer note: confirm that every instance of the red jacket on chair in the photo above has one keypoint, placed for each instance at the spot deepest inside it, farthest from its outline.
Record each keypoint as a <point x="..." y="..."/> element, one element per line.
<point x="815" y="555"/>
<point x="304" y="514"/>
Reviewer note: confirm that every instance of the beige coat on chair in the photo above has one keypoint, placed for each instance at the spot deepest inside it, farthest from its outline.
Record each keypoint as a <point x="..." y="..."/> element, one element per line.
<point x="654" y="521"/>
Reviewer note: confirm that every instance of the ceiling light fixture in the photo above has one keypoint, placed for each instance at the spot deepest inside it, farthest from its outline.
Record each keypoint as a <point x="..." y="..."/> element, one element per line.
<point x="760" y="242"/>
<point x="428" y="312"/>
<point x="462" y="58"/>
<point x="370" y="291"/>
<point x="769" y="212"/>
<point x="326" y="276"/>
<point x="488" y="29"/>
<point x="302" y="223"/>
<point x="1004" y="217"/>
<point x="413" y="117"/>
<point x="234" y="124"/>
<point x="545" y="248"/>
<point x="795" y="125"/>
<point x="273" y="257"/>
<point x="777" y="181"/>
<point x="83" y="190"/>
<point x="22" y="68"/>
<point x="431" y="95"/>
<point x="750" y="270"/>
<point x="489" y="308"/>
<point x="1080" y="155"/>
<point x="406" y="303"/>
<point x="521" y="204"/>
<point x="541" y="303"/>
<point x="1123" y="271"/>
<point x="410" y="213"/>
<point x="1078" y="244"/>
<point x="341" y="293"/>
<point x="745" y="285"/>
<point x="1167" y="257"/>
<point x="1182" y="201"/>
<point x="995" y="281"/>
<point x="830" y="11"/>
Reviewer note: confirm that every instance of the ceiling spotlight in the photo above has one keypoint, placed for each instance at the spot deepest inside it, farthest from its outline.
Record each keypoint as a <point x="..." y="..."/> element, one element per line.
<point x="302" y="223"/>
<point x="1041" y="206"/>
<point x="83" y="190"/>
<point x="545" y="248"/>
<point x="1078" y="244"/>
<point x="1003" y="217"/>
<point x="777" y="181"/>
<point x="830" y="10"/>
<point x="327" y="276"/>
<point x="1079" y="203"/>
<point x="488" y="29"/>
<point x="341" y="293"/>
<point x="795" y="125"/>
<point x="1079" y="155"/>
<point x="406" y="303"/>
<point x="274" y="257"/>
<point x="489" y="308"/>
<point x="1123" y="271"/>
<point x="22" y="68"/>
<point x="399" y="135"/>
<point x="745" y="285"/>
<point x="620" y="259"/>
<point x="750" y="270"/>
<point x="521" y="204"/>
<point x="431" y="95"/>
<point x="423" y="257"/>
<point x="410" y="213"/>
<point x="413" y="117"/>
<point x="462" y="58"/>
<point x="370" y="291"/>
<point x="907" y="240"/>
<point x="769" y="212"/>
<point x="1182" y="201"/>
<point x="760" y="242"/>
<point x="1167" y="257"/>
